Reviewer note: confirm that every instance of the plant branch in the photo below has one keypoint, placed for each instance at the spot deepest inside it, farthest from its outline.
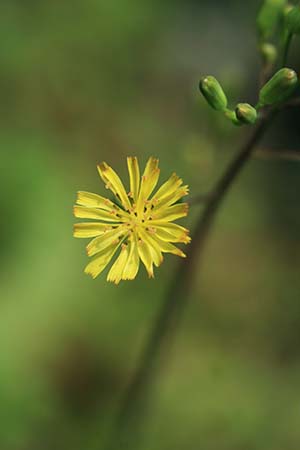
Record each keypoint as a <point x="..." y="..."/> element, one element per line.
<point x="261" y="153"/>
<point x="176" y="299"/>
<point x="286" y="49"/>
<point x="265" y="73"/>
<point x="282" y="154"/>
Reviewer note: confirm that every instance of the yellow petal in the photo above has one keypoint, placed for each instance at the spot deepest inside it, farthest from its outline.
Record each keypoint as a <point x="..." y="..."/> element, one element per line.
<point x="134" y="176"/>
<point x="166" y="247"/>
<point x="105" y="240"/>
<point x="165" y="235"/>
<point x="85" y="212"/>
<point x="89" y="229"/>
<point x="171" y="198"/>
<point x="116" y="270"/>
<point x="132" y="265"/>
<point x="113" y="182"/>
<point x="98" y="264"/>
<point x="149" y="180"/>
<point x="146" y="257"/>
<point x="94" y="200"/>
<point x="171" y="212"/>
<point x="170" y="186"/>
<point x="151" y="165"/>
<point x="166" y="229"/>
<point x="153" y="245"/>
<point x="173" y="228"/>
<point x="148" y="183"/>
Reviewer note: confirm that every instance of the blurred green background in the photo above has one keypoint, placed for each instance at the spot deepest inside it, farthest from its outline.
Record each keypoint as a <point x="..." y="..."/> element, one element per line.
<point x="89" y="80"/>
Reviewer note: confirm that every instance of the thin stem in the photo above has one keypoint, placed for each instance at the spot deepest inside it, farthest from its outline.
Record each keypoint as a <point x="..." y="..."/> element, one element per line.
<point x="265" y="73"/>
<point x="282" y="154"/>
<point x="286" y="49"/>
<point x="262" y="154"/>
<point x="176" y="299"/>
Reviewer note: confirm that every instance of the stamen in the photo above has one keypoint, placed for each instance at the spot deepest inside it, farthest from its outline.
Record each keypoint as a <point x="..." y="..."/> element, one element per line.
<point x="115" y="214"/>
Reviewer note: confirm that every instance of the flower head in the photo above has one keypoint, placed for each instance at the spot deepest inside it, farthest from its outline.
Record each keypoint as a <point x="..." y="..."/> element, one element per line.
<point x="140" y="225"/>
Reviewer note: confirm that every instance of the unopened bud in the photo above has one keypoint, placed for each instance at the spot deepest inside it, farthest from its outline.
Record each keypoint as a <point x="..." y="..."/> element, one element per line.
<point x="246" y="113"/>
<point x="279" y="88"/>
<point x="292" y="20"/>
<point x="213" y="93"/>
<point x="268" y="52"/>
<point x="269" y="16"/>
<point x="287" y="9"/>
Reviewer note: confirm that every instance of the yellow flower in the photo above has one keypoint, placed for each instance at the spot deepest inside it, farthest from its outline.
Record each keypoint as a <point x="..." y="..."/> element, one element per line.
<point x="141" y="227"/>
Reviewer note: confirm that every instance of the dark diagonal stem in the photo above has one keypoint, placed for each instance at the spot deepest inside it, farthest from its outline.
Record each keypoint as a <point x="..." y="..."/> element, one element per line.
<point x="286" y="49"/>
<point x="176" y="299"/>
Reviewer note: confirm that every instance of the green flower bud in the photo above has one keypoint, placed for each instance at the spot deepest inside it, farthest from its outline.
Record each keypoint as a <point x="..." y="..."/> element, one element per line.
<point x="279" y="88"/>
<point x="246" y="113"/>
<point x="292" y="20"/>
<point x="269" y="17"/>
<point x="268" y="52"/>
<point x="287" y="9"/>
<point x="213" y="93"/>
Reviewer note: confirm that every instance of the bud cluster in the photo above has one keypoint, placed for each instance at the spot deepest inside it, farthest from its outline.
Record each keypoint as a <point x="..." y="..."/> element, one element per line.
<point x="277" y="90"/>
<point x="277" y="21"/>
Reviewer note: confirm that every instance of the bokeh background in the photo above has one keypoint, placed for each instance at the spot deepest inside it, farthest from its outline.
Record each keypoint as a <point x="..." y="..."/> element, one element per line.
<point x="89" y="80"/>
